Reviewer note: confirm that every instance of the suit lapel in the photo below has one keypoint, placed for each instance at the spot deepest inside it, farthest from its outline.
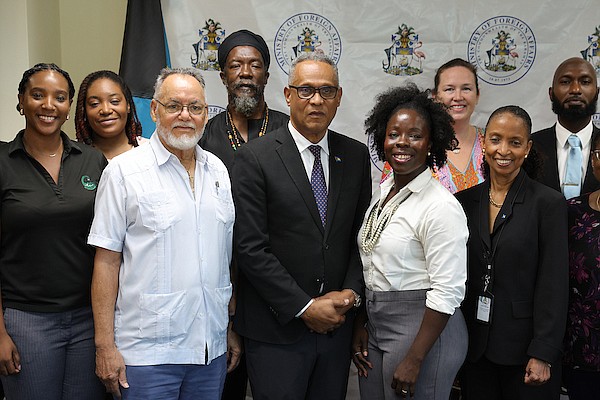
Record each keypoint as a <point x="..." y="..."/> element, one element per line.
<point x="589" y="183"/>
<point x="484" y="216"/>
<point x="336" y="172"/>
<point x="515" y="194"/>
<point x="291" y="160"/>
<point x="553" y="161"/>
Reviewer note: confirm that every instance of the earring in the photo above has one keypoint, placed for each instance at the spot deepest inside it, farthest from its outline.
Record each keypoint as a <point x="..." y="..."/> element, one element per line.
<point x="428" y="153"/>
<point x="67" y="117"/>
<point x="526" y="155"/>
<point x="21" y="111"/>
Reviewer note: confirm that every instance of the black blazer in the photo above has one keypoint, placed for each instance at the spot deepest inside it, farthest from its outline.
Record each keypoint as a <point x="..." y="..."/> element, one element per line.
<point x="544" y="142"/>
<point x="530" y="273"/>
<point x="283" y="252"/>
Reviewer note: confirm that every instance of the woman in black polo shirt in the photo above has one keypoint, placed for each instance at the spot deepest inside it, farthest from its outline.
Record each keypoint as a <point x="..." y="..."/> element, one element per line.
<point x="47" y="189"/>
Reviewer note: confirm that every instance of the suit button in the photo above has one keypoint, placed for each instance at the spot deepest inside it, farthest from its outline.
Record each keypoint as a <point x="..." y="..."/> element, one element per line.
<point x="326" y="246"/>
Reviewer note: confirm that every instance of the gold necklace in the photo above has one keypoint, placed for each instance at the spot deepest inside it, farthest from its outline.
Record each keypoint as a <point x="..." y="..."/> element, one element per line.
<point x="51" y="155"/>
<point x="492" y="202"/>
<point x="233" y="134"/>
<point x="191" y="172"/>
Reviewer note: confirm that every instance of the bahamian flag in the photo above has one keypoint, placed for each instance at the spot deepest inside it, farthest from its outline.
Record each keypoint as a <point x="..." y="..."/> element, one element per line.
<point x="144" y="54"/>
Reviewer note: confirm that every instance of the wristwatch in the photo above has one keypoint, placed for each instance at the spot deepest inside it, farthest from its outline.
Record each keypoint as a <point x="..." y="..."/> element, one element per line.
<point x="357" y="299"/>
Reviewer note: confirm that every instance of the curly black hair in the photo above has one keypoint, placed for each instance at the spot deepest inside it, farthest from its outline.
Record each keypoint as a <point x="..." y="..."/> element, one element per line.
<point x="533" y="163"/>
<point x="44" y="67"/>
<point x="83" y="130"/>
<point x="441" y="132"/>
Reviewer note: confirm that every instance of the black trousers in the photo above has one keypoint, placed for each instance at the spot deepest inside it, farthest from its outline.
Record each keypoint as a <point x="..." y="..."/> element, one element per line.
<point x="315" y="368"/>
<point x="236" y="382"/>
<point x="485" y="380"/>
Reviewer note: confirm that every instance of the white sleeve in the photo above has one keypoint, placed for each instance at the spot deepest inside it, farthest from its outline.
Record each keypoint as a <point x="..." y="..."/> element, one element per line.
<point x="109" y="224"/>
<point x="445" y="234"/>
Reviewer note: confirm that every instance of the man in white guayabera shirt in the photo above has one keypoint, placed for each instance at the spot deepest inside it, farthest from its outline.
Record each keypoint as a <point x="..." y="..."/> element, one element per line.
<point x="163" y="233"/>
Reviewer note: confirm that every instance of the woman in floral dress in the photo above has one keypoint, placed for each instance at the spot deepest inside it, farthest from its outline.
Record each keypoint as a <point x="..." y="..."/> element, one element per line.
<point x="582" y="339"/>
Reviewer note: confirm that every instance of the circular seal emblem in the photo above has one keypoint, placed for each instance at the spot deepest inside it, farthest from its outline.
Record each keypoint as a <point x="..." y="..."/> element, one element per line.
<point x="374" y="157"/>
<point x="214" y="110"/>
<point x="305" y="33"/>
<point x="503" y="48"/>
<point x="596" y="119"/>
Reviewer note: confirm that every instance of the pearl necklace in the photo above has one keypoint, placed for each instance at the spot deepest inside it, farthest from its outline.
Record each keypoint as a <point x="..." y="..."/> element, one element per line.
<point x="233" y="134"/>
<point x="376" y="223"/>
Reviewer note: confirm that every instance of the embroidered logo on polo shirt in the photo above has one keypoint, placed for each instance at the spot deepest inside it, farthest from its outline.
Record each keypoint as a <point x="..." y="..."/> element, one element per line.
<point x="88" y="183"/>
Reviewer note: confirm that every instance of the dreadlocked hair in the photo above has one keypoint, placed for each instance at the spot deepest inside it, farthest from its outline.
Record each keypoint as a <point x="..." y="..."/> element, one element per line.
<point x="83" y="130"/>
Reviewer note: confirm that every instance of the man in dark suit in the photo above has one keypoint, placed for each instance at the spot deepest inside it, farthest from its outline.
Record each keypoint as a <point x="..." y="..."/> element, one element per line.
<point x="574" y="94"/>
<point x="295" y="239"/>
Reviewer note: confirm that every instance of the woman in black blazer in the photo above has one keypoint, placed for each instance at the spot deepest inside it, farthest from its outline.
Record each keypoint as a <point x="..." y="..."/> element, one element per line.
<point x="517" y="284"/>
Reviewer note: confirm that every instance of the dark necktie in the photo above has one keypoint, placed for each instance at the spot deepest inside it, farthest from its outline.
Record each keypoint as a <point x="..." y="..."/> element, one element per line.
<point x="317" y="181"/>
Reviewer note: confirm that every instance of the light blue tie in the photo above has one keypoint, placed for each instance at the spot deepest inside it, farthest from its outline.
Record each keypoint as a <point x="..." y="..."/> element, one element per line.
<point x="317" y="181"/>
<point x="572" y="183"/>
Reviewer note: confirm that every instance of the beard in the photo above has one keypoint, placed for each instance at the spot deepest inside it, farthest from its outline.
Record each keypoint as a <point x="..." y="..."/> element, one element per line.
<point x="182" y="142"/>
<point x="246" y="104"/>
<point x="574" y="113"/>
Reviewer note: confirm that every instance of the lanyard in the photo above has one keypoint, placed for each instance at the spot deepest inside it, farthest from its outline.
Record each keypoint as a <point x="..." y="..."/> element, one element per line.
<point x="489" y="257"/>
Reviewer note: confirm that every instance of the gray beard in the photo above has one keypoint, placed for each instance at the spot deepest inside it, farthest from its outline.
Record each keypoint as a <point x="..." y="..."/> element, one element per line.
<point x="245" y="105"/>
<point x="183" y="142"/>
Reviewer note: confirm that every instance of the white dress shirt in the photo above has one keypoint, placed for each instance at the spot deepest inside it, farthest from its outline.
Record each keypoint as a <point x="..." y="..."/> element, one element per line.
<point x="424" y="245"/>
<point x="308" y="159"/>
<point x="174" y="285"/>
<point x="562" y="149"/>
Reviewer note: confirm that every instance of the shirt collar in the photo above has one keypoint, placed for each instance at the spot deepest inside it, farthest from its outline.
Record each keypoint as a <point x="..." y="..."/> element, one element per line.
<point x="68" y="145"/>
<point x="303" y="143"/>
<point x="415" y="186"/>
<point x="585" y="134"/>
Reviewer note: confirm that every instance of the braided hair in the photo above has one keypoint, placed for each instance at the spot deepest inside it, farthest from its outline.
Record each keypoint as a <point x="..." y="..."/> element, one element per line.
<point x="44" y="67"/>
<point x="83" y="130"/>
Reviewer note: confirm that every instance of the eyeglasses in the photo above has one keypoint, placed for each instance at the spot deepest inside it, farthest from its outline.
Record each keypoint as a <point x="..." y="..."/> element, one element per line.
<point x="596" y="154"/>
<point x="307" y="92"/>
<point x="177" y="108"/>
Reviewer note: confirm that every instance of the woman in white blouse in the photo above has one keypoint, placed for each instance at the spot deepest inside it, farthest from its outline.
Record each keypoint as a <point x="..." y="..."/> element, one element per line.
<point x="412" y="339"/>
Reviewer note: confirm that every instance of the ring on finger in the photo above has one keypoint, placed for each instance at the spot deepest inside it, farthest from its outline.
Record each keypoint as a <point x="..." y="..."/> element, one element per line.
<point x="357" y="353"/>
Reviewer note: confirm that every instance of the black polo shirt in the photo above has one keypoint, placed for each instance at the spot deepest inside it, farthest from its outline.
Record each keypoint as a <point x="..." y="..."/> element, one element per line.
<point x="45" y="262"/>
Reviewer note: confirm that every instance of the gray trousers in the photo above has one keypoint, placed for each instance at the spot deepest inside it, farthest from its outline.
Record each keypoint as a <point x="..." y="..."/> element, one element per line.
<point x="394" y="321"/>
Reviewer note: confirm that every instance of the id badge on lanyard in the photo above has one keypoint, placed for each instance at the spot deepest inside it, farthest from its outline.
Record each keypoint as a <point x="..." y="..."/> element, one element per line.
<point x="485" y="301"/>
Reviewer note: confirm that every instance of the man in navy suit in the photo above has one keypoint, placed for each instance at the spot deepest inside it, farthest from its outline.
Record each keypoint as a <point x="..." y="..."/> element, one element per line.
<point x="574" y="94"/>
<point x="300" y="193"/>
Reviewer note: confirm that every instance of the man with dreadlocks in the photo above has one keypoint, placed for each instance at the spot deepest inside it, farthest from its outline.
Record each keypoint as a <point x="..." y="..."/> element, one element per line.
<point x="244" y="60"/>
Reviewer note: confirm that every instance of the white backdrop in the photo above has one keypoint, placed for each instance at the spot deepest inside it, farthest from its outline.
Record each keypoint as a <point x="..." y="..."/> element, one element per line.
<point x="515" y="44"/>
